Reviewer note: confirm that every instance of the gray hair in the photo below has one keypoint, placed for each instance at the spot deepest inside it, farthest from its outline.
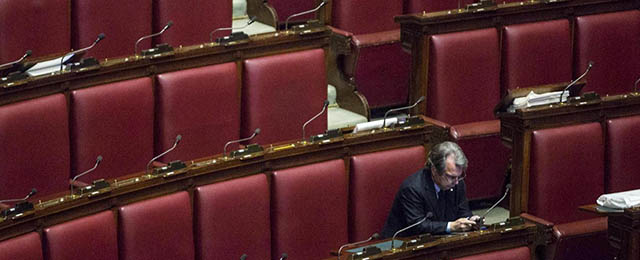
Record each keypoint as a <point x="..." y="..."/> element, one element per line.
<point x="439" y="153"/>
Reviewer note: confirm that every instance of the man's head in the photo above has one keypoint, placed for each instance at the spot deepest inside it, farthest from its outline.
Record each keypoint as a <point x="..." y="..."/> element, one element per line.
<point x="448" y="164"/>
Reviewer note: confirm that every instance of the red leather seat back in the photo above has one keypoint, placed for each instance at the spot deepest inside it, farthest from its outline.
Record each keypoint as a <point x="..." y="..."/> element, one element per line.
<point x="233" y="218"/>
<point x="201" y="104"/>
<point x="374" y="181"/>
<point x="610" y="41"/>
<point x="623" y="160"/>
<point x="193" y="20"/>
<point x="34" y="136"/>
<point x="25" y="247"/>
<point x="567" y="171"/>
<point x="92" y="237"/>
<point x="464" y="76"/>
<point x="285" y="8"/>
<point x="159" y="228"/>
<point x="418" y="6"/>
<point x="113" y="120"/>
<point x="40" y="26"/>
<point x="518" y="253"/>
<point x="355" y="15"/>
<point x="585" y="239"/>
<point x="122" y="22"/>
<point x="536" y="54"/>
<point x="281" y="92"/>
<point x="312" y="198"/>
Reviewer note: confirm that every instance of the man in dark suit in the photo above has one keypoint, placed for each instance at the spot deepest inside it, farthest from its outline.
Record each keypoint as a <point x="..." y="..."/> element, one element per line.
<point x="438" y="189"/>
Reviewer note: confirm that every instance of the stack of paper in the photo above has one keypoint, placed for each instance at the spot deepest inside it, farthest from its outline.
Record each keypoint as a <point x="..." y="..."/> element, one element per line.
<point x="620" y="200"/>
<point x="532" y="99"/>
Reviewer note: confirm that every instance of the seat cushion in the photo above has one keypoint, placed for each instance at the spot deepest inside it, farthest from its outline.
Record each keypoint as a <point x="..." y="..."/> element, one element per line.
<point x="585" y="239"/>
<point x="91" y="237"/>
<point x="25" y="247"/>
<point x="623" y="160"/>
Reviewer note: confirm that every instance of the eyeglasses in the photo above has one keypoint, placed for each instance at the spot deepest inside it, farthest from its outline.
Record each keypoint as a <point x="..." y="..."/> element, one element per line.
<point x="456" y="178"/>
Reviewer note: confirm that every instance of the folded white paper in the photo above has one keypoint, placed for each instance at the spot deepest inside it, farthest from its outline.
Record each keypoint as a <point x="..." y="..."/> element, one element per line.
<point x="533" y="99"/>
<point x="374" y="124"/>
<point x="48" y="66"/>
<point x="620" y="200"/>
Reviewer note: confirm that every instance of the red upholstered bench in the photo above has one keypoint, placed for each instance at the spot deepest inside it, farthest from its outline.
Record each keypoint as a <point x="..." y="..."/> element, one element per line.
<point x="25" y="247"/>
<point x="623" y="160"/>
<point x="91" y="237"/>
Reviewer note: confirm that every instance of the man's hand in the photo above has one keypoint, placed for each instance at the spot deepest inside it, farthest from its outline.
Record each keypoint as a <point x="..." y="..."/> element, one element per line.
<point x="462" y="224"/>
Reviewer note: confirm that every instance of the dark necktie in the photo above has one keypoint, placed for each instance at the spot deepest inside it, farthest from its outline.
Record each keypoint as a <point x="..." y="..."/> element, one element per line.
<point x="441" y="204"/>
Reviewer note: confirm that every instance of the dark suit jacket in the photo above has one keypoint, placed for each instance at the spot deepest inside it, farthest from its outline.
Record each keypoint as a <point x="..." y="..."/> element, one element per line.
<point x="417" y="197"/>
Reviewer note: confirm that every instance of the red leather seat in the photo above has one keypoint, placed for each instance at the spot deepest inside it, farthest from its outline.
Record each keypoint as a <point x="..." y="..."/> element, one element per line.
<point x="40" y="26"/>
<point x="622" y="157"/>
<point x="536" y="54"/>
<point x="374" y="181"/>
<point x="122" y="21"/>
<point x="91" y="237"/>
<point x="113" y="120"/>
<point x="25" y="247"/>
<point x="193" y="20"/>
<point x="312" y="198"/>
<point x="206" y="115"/>
<point x="584" y="239"/>
<point x="609" y="40"/>
<point x="519" y="253"/>
<point x="37" y="158"/>
<point x="233" y="218"/>
<point x="463" y="88"/>
<point x="281" y="92"/>
<point x="159" y="228"/>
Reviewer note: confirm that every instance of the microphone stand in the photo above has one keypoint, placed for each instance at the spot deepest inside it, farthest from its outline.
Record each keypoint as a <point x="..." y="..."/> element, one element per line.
<point x="255" y="133"/>
<point x="253" y="19"/>
<point x="324" y="108"/>
<point x="286" y="22"/>
<point x="100" y="37"/>
<point x="372" y="237"/>
<point x="178" y="138"/>
<point x="98" y="160"/>
<point x="429" y="214"/>
<point x="576" y="81"/>
<point x="135" y="50"/>
<point x="384" y="121"/>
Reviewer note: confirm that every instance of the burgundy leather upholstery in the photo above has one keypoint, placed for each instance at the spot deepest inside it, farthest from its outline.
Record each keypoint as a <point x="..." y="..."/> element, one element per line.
<point x="113" y="120"/>
<point x="232" y="218"/>
<point x="25" y="247"/>
<point x="355" y="16"/>
<point x="623" y="160"/>
<point x="518" y="253"/>
<point x="201" y="104"/>
<point x="610" y="41"/>
<point x="281" y="92"/>
<point x="536" y="54"/>
<point x="312" y="198"/>
<point x="286" y="8"/>
<point x="193" y="20"/>
<point x="40" y="26"/>
<point x="122" y="25"/>
<point x="159" y="228"/>
<point x="37" y="158"/>
<point x="567" y="171"/>
<point x="464" y="76"/>
<point x="374" y="181"/>
<point x="418" y="6"/>
<point x="91" y="237"/>
<point x="585" y="239"/>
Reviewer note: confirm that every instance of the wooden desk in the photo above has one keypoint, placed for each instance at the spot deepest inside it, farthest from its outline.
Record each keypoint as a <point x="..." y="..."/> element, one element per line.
<point x="623" y="231"/>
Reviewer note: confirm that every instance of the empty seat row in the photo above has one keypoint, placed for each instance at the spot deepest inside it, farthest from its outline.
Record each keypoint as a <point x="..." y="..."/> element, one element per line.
<point x="302" y="211"/>
<point x="51" y="139"/>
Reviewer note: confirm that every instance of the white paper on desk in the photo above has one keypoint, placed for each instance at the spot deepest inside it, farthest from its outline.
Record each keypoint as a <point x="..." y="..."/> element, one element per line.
<point x="620" y="200"/>
<point x="374" y="124"/>
<point x="48" y="66"/>
<point x="532" y="99"/>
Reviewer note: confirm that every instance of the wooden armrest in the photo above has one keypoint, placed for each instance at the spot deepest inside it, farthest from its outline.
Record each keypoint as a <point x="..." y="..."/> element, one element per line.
<point x="593" y="225"/>
<point x="536" y="220"/>
<point x="475" y="129"/>
<point x="435" y="122"/>
<point x="340" y="31"/>
<point x="378" y="38"/>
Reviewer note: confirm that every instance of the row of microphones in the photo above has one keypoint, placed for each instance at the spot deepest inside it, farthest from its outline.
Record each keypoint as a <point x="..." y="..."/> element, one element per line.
<point x="166" y="27"/>
<point x="589" y="66"/>
<point x="233" y="36"/>
<point x="175" y="143"/>
<point x="428" y="216"/>
<point x="255" y="133"/>
<point x="98" y="160"/>
<point x="100" y="38"/>
<point x="375" y="236"/>
<point x="286" y="22"/>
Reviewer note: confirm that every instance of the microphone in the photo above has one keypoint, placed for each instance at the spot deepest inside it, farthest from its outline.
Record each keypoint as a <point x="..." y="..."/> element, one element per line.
<point x="494" y="205"/>
<point x="375" y="236"/>
<point x="286" y="22"/>
<point x="324" y="108"/>
<point x="178" y="138"/>
<point x="576" y="80"/>
<point x="169" y="24"/>
<point x="429" y="215"/>
<point x="31" y="193"/>
<point x="26" y="54"/>
<point x="284" y="256"/>
<point x="635" y="85"/>
<point x="253" y="19"/>
<point x="98" y="160"/>
<point x="384" y="121"/>
<point x="243" y="257"/>
<point x="255" y="133"/>
<point x="100" y="37"/>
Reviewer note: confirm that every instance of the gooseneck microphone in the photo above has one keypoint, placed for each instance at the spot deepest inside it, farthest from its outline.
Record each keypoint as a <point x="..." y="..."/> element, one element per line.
<point x="286" y="22"/>
<point x="169" y="24"/>
<point x="576" y="80"/>
<point x="31" y="193"/>
<point x="243" y="257"/>
<point x="428" y="216"/>
<point x="494" y="205"/>
<point x="255" y="133"/>
<point x="635" y="85"/>
<point x="253" y="19"/>
<point x="324" y="108"/>
<point x="384" y="121"/>
<point x="26" y="54"/>
<point x="178" y="138"/>
<point x="375" y="236"/>
<point x="98" y="160"/>
<point x="100" y="37"/>
<point x="284" y="256"/>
